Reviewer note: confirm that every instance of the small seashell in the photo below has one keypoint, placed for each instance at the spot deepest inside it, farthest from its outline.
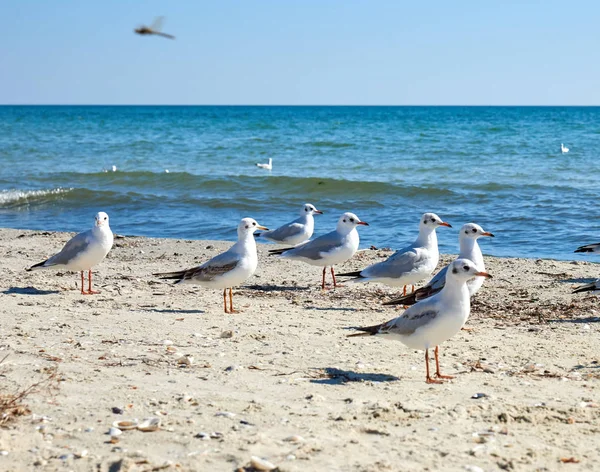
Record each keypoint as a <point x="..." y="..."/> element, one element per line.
<point x="226" y="334"/>
<point x="82" y="454"/>
<point x="149" y="424"/>
<point x="171" y="349"/>
<point x="167" y="342"/>
<point x="226" y="414"/>
<point x="125" y="425"/>
<point x="3" y="452"/>
<point x="477" y="396"/>
<point x="185" y="360"/>
<point x="114" y="432"/>
<point x="294" y="439"/>
<point x="261" y="464"/>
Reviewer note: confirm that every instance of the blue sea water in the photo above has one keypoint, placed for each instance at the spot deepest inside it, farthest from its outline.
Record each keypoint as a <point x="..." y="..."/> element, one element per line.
<point x="500" y="167"/>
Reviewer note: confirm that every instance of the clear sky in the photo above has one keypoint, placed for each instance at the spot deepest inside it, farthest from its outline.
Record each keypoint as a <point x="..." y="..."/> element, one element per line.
<point x="338" y="52"/>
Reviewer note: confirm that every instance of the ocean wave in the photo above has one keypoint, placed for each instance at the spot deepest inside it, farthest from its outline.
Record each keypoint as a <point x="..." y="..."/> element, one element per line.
<point x="11" y="198"/>
<point x="329" y="144"/>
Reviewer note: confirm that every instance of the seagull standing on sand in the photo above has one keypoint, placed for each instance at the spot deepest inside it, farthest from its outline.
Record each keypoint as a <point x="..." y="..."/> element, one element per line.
<point x="469" y="249"/>
<point x="410" y="264"/>
<point x="83" y="251"/>
<point x="228" y="269"/>
<point x="268" y="166"/>
<point x="332" y="248"/>
<point x="434" y="320"/>
<point x="563" y="149"/>
<point x="297" y="231"/>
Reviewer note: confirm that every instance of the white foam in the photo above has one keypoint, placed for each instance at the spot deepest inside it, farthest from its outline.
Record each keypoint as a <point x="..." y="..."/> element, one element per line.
<point x="11" y="196"/>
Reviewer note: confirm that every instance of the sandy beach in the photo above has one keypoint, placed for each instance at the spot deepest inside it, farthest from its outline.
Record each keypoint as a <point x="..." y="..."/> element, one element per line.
<point x="280" y="380"/>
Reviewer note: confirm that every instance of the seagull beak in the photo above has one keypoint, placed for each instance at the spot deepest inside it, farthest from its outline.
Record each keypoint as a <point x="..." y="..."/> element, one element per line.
<point x="364" y="223"/>
<point x="443" y="223"/>
<point x="483" y="274"/>
<point x="264" y="228"/>
<point x="318" y="212"/>
<point x="487" y="233"/>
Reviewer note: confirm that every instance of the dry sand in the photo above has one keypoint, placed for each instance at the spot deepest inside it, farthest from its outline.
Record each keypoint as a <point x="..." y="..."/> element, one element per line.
<point x="281" y="380"/>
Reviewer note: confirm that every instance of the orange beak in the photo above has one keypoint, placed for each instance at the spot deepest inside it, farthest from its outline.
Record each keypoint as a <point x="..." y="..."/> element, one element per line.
<point x="443" y="223"/>
<point x="318" y="212"/>
<point x="364" y="223"/>
<point x="487" y="233"/>
<point x="483" y="274"/>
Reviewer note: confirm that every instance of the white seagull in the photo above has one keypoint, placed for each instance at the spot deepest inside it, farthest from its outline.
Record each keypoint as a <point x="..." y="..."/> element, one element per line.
<point x="332" y="248"/>
<point x="410" y="264"/>
<point x="589" y="248"/>
<point x="83" y="251"/>
<point x="268" y="166"/>
<point x="563" y="149"/>
<point x="228" y="269"/>
<point x="297" y="231"/>
<point x="469" y="249"/>
<point x="434" y="320"/>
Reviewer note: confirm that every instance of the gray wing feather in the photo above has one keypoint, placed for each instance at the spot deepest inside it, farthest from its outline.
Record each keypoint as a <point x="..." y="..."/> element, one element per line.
<point x="213" y="268"/>
<point x="74" y="247"/>
<point x="402" y="262"/>
<point x="283" y="232"/>
<point x="410" y="321"/>
<point x="313" y="249"/>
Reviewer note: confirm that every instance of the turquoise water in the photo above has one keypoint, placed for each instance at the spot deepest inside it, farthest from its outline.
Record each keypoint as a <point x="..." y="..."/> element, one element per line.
<point x="500" y="167"/>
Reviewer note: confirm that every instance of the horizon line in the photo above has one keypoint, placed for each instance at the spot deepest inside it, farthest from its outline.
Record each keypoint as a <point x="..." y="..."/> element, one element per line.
<point x="266" y="105"/>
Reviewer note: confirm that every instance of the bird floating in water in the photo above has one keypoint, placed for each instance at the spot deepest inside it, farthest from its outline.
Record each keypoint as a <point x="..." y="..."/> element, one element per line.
<point x="154" y="29"/>
<point x="563" y="149"/>
<point x="268" y="166"/>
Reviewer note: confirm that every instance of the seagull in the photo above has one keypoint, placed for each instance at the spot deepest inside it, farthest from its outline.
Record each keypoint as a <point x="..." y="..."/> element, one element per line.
<point x="410" y="264"/>
<point x="434" y="320"/>
<point x="469" y="249"/>
<point x="154" y="29"/>
<point x="593" y="287"/>
<point x="268" y="166"/>
<point x="332" y="248"/>
<point x="297" y="231"/>
<point x="228" y="269"/>
<point x="84" y="251"/>
<point x="589" y="248"/>
<point x="563" y="149"/>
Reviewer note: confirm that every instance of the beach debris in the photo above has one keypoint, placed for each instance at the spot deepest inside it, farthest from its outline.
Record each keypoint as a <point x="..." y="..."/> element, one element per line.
<point x="113" y="432"/>
<point x="80" y="455"/>
<point x="473" y="468"/>
<point x="116" y="410"/>
<point x="186" y="360"/>
<point x="226" y="334"/>
<point x="149" y="424"/>
<point x="569" y="460"/>
<point x="477" y="396"/>
<point x="261" y="464"/>
<point x="226" y="414"/>
<point x="3" y="452"/>
<point x="125" y="425"/>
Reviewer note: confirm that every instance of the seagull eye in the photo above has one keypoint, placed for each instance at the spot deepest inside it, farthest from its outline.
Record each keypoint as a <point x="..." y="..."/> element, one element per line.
<point x="474" y="230"/>
<point x="253" y="224"/>
<point x="467" y="232"/>
<point x="344" y="221"/>
<point x="466" y="268"/>
<point x="247" y="226"/>
<point x="306" y="209"/>
<point x="351" y="220"/>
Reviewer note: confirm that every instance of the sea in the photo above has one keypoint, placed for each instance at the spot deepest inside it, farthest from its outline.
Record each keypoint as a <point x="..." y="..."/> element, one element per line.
<point x="190" y="171"/>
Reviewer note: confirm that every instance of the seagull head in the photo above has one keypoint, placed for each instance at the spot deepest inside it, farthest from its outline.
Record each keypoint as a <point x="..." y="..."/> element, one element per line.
<point x="101" y="219"/>
<point x="309" y="209"/>
<point x="249" y="226"/>
<point x="464" y="269"/>
<point x="431" y="221"/>
<point x="473" y="231"/>
<point x="349" y="221"/>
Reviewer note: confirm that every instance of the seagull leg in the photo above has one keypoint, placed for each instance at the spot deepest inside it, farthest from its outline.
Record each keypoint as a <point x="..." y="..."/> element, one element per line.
<point x="412" y="288"/>
<point x="90" y="291"/>
<point x="404" y="291"/>
<point x="83" y="292"/>
<point x="231" y="310"/>
<point x="323" y="283"/>
<point x="225" y="300"/>
<point x="438" y="374"/>
<point x="428" y="379"/>
<point x="335" y="284"/>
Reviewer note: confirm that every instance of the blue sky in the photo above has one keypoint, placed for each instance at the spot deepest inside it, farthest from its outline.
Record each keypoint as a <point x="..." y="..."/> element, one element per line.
<point x="301" y="52"/>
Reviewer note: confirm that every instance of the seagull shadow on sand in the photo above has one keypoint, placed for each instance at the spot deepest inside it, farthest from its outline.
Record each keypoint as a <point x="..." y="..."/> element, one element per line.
<point x="335" y="376"/>
<point x="589" y="319"/>
<point x="580" y="280"/>
<point x="329" y="308"/>
<point x="171" y="310"/>
<point x="28" y="291"/>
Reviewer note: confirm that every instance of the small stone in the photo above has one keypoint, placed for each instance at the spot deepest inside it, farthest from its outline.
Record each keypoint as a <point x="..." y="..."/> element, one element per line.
<point x="117" y="411"/>
<point x="226" y="334"/>
<point x="167" y="342"/>
<point x="477" y="396"/>
<point x="3" y="452"/>
<point x="113" y="432"/>
<point x="261" y="464"/>
<point x="226" y="414"/>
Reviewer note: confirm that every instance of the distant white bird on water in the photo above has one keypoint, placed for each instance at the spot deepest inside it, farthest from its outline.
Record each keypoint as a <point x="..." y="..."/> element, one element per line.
<point x="563" y="149"/>
<point x="268" y="166"/>
<point x="82" y="252"/>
